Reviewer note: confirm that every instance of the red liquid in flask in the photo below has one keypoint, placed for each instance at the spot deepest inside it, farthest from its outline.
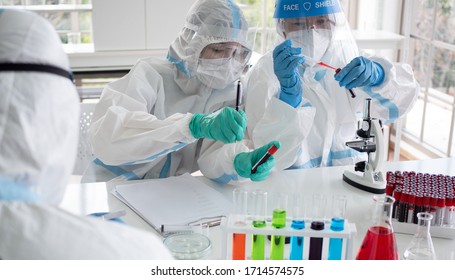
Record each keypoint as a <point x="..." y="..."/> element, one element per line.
<point x="379" y="244"/>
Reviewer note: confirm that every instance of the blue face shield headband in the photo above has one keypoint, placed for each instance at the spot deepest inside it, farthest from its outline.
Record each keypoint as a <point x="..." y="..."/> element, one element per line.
<point x="28" y="67"/>
<point x="306" y="8"/>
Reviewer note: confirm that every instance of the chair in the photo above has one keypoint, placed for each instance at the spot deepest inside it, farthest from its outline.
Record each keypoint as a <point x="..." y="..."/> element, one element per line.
<point x="84" y="149"/>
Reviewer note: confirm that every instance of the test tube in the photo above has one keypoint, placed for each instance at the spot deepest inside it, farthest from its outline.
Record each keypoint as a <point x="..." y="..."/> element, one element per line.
<point x="278" y="222"/>
<point x="298" y="223"/>
<point x="239" y="239"/>
<point x="337" y="224"/>
<point x="319" y="205"/>
<point x="259" y="210"/>
<point x="449" y="215"/>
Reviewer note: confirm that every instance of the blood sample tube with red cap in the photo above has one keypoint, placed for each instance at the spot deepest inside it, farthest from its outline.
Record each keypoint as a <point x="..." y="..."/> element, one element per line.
<point x="441" y="203"/>
<point x="411" y="207"/>
<point x="264" y="158"/>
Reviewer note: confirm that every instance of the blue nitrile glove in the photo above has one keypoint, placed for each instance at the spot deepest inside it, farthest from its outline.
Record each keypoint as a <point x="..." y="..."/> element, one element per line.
<point x="226" y="125"/>
<point x="243" y="163"/>
<point x="360" y="72"/>
<point x="285" y="66"/>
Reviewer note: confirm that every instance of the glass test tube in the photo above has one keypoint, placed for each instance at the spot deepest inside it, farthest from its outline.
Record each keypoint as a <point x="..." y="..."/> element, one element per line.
<point x="239" y="239"/>
<point x="278" y="222"/>
<point x="337" y="224"/>
<point x="260" y="209"/>
<point x="319" y="205"/>
<point x="298" y="223"/>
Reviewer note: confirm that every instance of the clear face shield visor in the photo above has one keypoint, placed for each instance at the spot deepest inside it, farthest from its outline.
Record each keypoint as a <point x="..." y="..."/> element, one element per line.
<point x="312" y="34"/>
<point x="287" y="25"/>
<point x="220" y="64"/>
<point x="221" y="53"/>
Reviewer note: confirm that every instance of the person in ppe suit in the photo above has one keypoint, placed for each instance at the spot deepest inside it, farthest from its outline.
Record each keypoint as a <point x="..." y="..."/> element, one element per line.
<point x="39" y="125"/>
<point x="307" y="107"/>
<point x="147" y="124"/>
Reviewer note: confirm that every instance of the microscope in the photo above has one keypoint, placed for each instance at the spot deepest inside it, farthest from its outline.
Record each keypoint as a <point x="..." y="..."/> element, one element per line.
<point x="368" y="175"/>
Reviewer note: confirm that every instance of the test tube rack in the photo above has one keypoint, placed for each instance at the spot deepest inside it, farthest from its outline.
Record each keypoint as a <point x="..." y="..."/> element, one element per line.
<point x="229" y="227"/>
<point x="422" y="192"/>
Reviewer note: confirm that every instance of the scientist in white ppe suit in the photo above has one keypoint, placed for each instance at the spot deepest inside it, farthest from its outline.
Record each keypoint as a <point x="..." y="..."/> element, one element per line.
<point x="147" y="124"/>
<point x="39" y="124"/>
<point x="307" y="107"/>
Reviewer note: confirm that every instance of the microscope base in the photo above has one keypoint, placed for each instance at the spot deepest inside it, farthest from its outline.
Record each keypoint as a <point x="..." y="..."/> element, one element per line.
<point x="364" y="183"/>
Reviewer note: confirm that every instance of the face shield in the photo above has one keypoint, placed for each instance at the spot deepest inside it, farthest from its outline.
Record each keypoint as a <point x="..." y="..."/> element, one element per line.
<point x="318" y="27"/>
<point x="221" y="64"/>
<point x="214" y="46"/>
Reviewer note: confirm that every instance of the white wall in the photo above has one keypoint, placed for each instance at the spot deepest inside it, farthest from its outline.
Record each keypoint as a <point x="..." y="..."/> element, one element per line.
<point x="137" y="24"/>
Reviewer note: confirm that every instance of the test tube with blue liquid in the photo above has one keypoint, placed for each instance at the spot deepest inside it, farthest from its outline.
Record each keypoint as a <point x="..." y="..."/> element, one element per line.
<point x="259" y="212"/>
<point x="240" y="211"/>
<point x="317" y="224"/>
<point x="278" y="222"/>
<point x="297" y="223"/>
<point x="337" y="224"/>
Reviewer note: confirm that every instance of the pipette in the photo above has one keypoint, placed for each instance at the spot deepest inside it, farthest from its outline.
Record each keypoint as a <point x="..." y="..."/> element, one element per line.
<point x="310" y="61"/>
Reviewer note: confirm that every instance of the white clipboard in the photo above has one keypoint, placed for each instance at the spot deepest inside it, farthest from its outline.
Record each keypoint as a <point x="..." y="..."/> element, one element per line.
<point x="176" y="201"/>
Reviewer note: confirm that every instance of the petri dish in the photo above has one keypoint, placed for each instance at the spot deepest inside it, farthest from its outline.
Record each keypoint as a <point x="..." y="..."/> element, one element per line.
<point x="188" y="246"/>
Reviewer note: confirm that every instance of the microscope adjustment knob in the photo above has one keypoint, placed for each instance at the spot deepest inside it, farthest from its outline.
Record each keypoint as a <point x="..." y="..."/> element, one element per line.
<point x="360" y="166"/>
<point x="364" y="131"/>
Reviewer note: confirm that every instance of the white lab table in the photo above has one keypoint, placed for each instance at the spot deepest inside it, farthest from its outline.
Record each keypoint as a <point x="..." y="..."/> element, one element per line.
<point x="96" y="197"/>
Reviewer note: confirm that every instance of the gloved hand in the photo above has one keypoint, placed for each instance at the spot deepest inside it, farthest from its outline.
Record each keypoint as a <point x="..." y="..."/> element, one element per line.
<point x="243" y="163"/>
<point x="226" y="125"/>
<point x="360" y="72"/>
<point x="285" y="63"/>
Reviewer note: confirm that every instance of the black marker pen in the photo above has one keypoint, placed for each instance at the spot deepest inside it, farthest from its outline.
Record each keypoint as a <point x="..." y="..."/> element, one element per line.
<point x="239" y="95"/>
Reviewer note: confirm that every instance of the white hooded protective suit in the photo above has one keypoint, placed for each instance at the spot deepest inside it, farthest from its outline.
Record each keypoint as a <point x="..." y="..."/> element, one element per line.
<point x="39" y="124"/>
<point x="39" y="111"/>
<point x="314" y="134"/>
<point x="140" y="125"/>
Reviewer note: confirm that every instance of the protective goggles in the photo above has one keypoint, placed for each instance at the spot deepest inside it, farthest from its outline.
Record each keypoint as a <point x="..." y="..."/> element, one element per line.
<point x="305" y="23"/>
<point x="223" y="52"/>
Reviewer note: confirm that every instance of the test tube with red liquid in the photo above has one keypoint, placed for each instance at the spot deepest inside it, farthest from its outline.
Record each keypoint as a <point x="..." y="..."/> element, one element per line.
<point x="240" y="212"/>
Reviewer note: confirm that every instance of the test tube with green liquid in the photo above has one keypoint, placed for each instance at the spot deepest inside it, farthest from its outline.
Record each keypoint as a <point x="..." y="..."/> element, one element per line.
<point x="279" y="206"/>
<point x="277" y="241"/>
<point x="259" y="210"/>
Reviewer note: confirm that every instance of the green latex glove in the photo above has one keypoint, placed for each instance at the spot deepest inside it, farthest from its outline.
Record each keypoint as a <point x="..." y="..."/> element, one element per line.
<point x="243" y="163"/>
<point x="226" y="125"/>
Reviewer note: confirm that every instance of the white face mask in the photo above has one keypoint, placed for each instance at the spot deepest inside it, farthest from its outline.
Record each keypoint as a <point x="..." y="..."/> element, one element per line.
<point x="314" y="42"/>
<point x="220" y="72"/>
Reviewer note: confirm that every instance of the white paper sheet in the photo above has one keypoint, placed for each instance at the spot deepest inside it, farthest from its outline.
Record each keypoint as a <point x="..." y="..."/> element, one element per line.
<point x="180" y="200"/>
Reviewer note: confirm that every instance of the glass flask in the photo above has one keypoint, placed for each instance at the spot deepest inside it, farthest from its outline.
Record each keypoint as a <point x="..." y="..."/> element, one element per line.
<point x="379" y="242"/>
<point x="421" y="245"/>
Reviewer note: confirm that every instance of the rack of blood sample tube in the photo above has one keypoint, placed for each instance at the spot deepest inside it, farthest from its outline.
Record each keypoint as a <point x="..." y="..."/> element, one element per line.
<point x="422" y="192"/>
<point x="230" y="228"/>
